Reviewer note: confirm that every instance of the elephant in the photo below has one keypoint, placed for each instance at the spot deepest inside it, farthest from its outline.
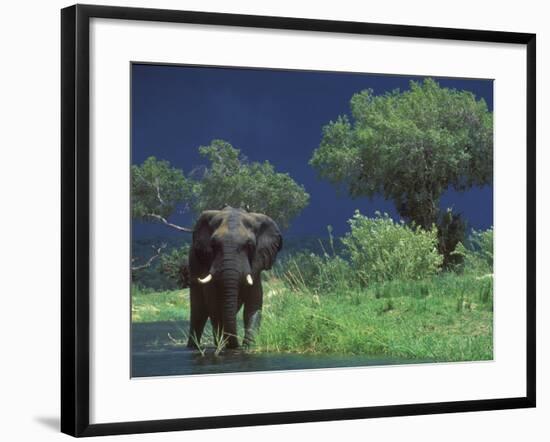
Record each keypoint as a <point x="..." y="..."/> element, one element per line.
<point x="230" y="249"/>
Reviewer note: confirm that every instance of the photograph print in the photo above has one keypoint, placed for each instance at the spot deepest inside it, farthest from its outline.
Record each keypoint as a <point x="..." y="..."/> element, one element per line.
<point x="290" y="219"/>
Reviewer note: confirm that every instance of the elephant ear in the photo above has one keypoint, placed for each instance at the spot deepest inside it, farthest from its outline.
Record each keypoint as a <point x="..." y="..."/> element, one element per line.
<point x="202" y="232"/>
<point x="268" y="243"/>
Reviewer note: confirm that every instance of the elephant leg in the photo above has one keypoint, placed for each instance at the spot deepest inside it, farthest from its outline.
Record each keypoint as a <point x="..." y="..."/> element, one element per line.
<point x="252" y="315"/>
<point x="217" y="329"/>
<point x="199" y="315"/>
<point x="215" y="313"/>
<point x="216" y="321"/>
<point x="252" y="322"/>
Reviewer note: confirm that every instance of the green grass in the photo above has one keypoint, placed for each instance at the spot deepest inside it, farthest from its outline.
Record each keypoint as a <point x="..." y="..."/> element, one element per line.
<point x="446" y="318"/>
<point x="147" y="306"/>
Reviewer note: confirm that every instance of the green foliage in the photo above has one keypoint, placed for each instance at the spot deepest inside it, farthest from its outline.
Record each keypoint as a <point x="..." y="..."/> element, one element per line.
<point x="478" y="252"/>
<point x="232" y="179"/>
<point x="381" y="249"/>
<point x="174" y="265"/>
<point x="409" y="147"/>
<point x="157" y="189"/>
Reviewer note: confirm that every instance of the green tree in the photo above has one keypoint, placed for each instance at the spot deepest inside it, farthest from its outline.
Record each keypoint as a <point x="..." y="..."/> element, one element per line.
<point x="409" y="147"/>
<point x="231" y="179"/>
<point x="157" y="189"/>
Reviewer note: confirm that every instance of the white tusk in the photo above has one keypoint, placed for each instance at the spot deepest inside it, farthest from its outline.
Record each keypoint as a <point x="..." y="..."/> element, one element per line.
<point x="249" y="279"/>
<point x="206" y="279"/>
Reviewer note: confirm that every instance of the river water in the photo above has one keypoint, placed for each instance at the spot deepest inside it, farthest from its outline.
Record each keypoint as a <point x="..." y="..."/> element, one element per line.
<point x="154" y="353"/>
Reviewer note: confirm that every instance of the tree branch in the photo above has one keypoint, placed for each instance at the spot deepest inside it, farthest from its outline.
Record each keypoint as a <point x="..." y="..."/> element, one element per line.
<point x="150" y="260"/>
<point x="169" y="224"/>
<point x="158" y="192"/>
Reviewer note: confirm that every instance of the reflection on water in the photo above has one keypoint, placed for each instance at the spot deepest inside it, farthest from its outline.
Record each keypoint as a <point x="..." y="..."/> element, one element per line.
<point x="154" y="354"/>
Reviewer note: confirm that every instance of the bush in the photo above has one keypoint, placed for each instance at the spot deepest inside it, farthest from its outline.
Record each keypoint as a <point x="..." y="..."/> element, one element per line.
<point x="478" y="252"/>
<point x="381" y="249"/>
<point x="174" y="266"/>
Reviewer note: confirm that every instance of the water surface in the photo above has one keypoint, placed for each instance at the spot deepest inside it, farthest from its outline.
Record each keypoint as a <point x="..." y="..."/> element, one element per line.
<point x="154" y="353"/>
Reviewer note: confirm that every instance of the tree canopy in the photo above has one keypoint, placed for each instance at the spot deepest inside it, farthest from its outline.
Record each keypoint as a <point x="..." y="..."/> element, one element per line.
<point x="409" y="147"/>
<point x="232" y="179"/>
<point x="158" y="189"/>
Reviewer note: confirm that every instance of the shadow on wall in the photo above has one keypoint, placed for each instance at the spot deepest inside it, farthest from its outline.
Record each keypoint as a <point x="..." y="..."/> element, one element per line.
<point x="50" y="422"/>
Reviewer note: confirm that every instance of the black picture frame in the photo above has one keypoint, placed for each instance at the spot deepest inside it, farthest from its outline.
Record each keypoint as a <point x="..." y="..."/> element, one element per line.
<point x="75" y="211"/>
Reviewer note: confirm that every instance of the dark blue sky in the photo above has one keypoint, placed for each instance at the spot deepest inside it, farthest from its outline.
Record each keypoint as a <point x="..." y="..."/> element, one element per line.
<point x="269" y="115"/>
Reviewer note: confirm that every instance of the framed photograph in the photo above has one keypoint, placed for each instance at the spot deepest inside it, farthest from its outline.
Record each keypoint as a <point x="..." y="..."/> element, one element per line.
<point x="274" y="220"/>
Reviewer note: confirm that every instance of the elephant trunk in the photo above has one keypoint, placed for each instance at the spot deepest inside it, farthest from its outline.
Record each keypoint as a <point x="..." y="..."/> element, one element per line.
<point x="231" y="281"/>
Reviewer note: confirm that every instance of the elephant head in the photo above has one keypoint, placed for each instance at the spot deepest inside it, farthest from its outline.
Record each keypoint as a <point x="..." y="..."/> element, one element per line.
<point x="230" y="249"/>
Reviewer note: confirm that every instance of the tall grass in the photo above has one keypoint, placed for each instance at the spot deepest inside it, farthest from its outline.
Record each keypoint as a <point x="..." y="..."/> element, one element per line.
<point x="446" y="318"/>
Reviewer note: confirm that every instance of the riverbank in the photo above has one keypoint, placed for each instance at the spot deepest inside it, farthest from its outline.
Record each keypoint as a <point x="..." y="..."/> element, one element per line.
<point x="446" y="318"/>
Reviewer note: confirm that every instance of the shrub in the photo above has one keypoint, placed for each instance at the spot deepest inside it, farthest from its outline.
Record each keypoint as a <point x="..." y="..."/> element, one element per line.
<point x="174" y="266"/>
<point x="381" y="249"/>
<point x="478" y="252"/>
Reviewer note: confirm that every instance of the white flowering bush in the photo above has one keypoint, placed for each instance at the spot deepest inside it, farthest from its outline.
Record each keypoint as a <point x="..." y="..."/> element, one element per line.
<point x="381" y="249"/>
